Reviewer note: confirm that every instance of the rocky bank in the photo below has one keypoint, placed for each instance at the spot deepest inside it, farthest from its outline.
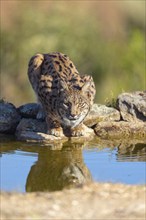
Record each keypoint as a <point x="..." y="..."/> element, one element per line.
<point x="126" y="120"/>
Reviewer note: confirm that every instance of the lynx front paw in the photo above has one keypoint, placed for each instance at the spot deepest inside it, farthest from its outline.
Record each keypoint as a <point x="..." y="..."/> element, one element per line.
<point x="58" y="132"/>
<point x="77" y="131"/>
<point x="81" y="130"/>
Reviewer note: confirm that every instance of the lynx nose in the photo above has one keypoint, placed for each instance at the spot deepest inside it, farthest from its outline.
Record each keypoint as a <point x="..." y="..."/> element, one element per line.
<point x="73" y="117"/>
<point x="73" y="112"/>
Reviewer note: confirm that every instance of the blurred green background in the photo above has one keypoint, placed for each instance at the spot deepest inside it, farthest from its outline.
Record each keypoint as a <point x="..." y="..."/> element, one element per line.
<point x="103" y="38"/>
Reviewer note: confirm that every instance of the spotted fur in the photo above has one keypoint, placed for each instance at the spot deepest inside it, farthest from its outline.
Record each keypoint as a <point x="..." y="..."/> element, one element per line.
<point x="64" y="94"/>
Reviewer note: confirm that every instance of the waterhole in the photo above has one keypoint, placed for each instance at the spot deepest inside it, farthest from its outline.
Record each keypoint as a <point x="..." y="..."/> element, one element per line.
<point x="29" y="167"/>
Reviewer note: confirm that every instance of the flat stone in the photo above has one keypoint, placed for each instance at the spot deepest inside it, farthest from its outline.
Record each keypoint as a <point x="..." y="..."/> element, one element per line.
<point x="101" y="113"/>
<point x="9" y="118"/>
<point x="37" y="136"/>
<point x="120" y="130"/>
<point x="132" y="106"/>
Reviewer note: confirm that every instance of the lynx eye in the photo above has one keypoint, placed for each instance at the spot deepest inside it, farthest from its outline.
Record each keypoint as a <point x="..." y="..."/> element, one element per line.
<point x="82" y="104"/>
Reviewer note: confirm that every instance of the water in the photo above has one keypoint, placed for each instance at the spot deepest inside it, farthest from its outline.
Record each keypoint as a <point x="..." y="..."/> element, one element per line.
<point x="38" y="167"/>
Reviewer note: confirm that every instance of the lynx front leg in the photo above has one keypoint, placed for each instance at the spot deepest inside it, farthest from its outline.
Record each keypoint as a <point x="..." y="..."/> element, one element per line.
<point x="54" y="127"/>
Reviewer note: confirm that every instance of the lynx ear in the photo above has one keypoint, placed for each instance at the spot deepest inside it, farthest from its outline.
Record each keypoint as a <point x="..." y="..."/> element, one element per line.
<point x="88" y="80"/>
<point x="88" y="89"/>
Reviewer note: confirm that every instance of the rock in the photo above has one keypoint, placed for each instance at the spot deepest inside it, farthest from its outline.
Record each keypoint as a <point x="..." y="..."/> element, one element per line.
<point x="29" y="110"/>
<point x="120" y="130"/>
<point x="9" y="118"/>
<point x="33" y="129"/>
<point x="132" y="106"/>
<point x="101" y="113"/>
<point x="32" y="125"/>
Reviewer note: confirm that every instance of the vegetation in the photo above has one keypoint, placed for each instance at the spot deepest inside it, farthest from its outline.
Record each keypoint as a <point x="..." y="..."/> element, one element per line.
<point x="114" y="58"/>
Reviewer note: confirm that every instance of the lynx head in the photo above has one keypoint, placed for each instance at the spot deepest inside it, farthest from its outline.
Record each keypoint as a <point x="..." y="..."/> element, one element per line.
<point x="74" y="104"/>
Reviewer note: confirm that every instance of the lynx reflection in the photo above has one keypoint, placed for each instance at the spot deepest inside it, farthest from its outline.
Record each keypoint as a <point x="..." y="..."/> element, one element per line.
<point x="58" y="169"/>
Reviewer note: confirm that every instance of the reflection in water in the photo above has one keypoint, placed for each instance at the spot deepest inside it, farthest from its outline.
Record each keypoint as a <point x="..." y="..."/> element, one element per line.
<point x="56" y="170"/>
<point x="133" y="152"/>
<point x="62" y="166"/>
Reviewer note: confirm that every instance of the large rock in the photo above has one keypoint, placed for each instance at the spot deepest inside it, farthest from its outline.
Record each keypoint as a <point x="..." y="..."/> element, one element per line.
<point x="132" y="106"/>
<point x="9" y="118"/>
<point x="32" y="129"/>
<point x="33" y="125"/>
<point x="101" y="113"/>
